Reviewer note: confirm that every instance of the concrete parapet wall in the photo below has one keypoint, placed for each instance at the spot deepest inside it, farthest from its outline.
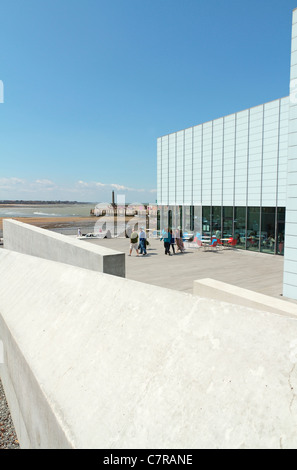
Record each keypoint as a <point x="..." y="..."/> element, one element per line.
<point x="36" y="241"/>
<point x="99" y="361"/>
<point x="217" y="290"/>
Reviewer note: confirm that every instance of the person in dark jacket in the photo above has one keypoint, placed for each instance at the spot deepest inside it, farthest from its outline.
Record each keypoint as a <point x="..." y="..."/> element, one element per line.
<point x="172" y="241"/>
<point x="166" y="237"/>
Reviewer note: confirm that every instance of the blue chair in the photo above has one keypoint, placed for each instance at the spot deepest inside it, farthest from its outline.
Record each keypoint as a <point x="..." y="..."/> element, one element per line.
<point x="213" y="245"/>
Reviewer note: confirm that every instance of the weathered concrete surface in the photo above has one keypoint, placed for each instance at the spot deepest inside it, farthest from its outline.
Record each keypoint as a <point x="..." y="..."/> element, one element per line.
<point x="213" y="289"/>
<point x="36" y="241"/>
<point x="97" y="361"/>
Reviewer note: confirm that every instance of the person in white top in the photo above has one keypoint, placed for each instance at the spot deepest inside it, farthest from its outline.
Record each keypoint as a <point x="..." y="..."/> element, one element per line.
<point x="142" y="241"/>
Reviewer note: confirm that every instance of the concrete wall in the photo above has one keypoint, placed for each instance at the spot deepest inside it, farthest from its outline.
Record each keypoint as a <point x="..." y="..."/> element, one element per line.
<point x="39" y="242"/>
<point x="213" y="289"/>
<point x="98" y="361"/>
<point x="290" y="262"/>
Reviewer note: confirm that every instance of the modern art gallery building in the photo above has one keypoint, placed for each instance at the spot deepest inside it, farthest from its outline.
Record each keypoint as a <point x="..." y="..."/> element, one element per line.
<point x="237" y="175"/>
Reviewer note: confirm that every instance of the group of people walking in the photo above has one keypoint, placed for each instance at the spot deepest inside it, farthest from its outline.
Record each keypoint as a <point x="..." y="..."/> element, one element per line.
<point x="170" y="238"/>
<point x="138" y="241"/>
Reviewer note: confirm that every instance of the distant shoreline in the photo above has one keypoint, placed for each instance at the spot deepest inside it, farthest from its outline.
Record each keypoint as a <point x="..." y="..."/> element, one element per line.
<point x="41" y="203"/>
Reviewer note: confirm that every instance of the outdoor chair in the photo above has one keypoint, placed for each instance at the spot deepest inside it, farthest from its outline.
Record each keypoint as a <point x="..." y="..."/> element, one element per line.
<point x="212" y="246"/>
<point x="197" y="239"/>
<point x="220" y="243"/>
<point x="232" y="242"/>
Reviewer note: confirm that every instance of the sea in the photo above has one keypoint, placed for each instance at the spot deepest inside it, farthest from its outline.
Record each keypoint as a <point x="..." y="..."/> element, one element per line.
<point x="51" y="210"/>
<point x="47" y="210"/>
<point x="60" y="210"/>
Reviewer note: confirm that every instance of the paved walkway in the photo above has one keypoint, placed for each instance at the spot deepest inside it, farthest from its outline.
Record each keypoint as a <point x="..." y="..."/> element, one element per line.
<point x="255" y="271"/>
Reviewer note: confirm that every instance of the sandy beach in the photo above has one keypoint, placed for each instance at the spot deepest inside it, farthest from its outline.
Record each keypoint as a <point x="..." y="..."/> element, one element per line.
<point x="55" y="222"/>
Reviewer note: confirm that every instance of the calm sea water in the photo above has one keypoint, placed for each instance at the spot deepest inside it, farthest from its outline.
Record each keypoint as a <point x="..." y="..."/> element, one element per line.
<point x="51" y="210"/>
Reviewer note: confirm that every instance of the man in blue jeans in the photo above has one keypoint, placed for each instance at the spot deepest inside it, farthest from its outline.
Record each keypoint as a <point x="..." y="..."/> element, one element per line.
<point x="142" y="241"/>
<point x="166" y="236"/>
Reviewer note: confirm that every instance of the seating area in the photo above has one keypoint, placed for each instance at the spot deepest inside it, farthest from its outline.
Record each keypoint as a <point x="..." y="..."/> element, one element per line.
<point x="214" y="243"/>
<point x="264" y="244"/>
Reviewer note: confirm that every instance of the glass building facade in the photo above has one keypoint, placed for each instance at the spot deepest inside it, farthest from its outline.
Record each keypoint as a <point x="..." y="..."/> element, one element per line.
<point x="235" y="170"/>
<point x="255" y="228"/>
<point x="241" y="171"/>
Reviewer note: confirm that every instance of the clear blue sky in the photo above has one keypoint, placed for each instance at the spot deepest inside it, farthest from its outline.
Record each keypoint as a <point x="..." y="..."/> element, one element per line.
<point x="89" y="85"/>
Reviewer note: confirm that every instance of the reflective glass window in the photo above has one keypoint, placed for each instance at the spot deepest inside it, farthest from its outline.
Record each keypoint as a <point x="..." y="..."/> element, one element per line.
<point x="170" y="219"/>
<point x="227" y="222"/>
<point x="240" y="226"/>
<point x="217" y="221"/>
<point x="187" y="218"/>
<point x="191" y="218"/>
<point x="281" y="215"/>
<point x="267" y="240"/>
<point x="206" y="220"/>
<point x="253" y="227"/>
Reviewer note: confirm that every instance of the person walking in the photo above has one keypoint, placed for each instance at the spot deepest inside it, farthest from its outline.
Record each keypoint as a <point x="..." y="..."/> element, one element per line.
<point x="166" y="237"/>
<point x="142" y="241"/>
<point x="179" y="240"/>
<point x="133" y="243"/>
<point x="172" y="241"/>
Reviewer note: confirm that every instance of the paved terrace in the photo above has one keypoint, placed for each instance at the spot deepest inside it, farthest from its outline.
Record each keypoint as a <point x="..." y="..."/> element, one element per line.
<point x="259" y="272"/>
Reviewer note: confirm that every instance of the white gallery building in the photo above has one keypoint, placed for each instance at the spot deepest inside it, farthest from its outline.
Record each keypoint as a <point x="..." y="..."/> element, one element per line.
<point x="238" y="175"/>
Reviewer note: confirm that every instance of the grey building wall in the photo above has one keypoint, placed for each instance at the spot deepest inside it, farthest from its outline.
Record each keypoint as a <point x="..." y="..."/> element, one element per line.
<point x="290" y="262"/>
<point x="240" y="160"/>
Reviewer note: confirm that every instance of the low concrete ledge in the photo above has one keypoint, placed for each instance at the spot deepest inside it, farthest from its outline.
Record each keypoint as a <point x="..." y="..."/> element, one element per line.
<point x="222" y="291"/>
<point x="35" y="241"/>
<point x="99" y="361"/>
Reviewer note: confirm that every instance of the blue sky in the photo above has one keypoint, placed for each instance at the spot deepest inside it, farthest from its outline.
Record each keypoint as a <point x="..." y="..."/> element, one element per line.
<point x="90" y="85"/>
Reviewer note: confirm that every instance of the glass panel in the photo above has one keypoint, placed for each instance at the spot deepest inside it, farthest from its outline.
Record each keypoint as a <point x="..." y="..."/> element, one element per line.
<point x="206" y="221"/>
<point x="163" y="217"/>
<point x="281" y="216"/>
<point x="268" y="230"/>
<point x="227" y="222"/>
<point x="253" y="228"/>
<point x="198" y="221"/>
<point x="187" y="214"/>
<point x="191" y="218"/>
<point x="170" y="219"/>
<point x="187" y="219"/>
<point x="217" y="221"/>
<point x="240" y="226"/>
